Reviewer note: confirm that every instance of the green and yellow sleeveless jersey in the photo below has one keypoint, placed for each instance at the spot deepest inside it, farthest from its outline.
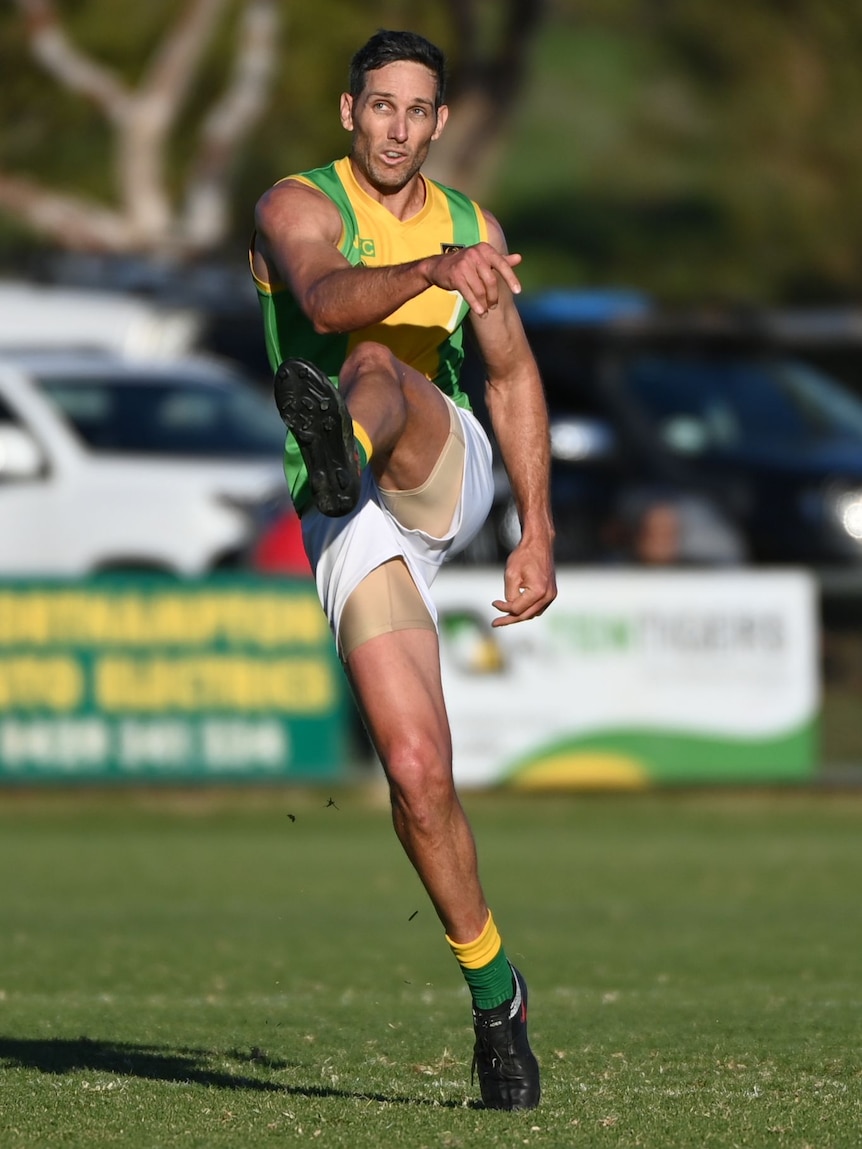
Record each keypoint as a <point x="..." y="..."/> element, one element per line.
<point x="425" y="332"/>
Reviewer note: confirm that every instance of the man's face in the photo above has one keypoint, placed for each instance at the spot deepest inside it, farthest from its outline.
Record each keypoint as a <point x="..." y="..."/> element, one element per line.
<point x="393" y="122"/>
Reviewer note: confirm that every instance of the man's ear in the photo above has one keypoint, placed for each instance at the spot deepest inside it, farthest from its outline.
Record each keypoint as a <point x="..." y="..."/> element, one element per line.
<point x="442" y="117"/>
<point x="347" y="111"/>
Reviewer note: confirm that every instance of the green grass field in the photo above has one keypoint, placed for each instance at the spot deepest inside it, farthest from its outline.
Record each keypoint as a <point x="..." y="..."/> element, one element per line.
<point x="207" y="971"/>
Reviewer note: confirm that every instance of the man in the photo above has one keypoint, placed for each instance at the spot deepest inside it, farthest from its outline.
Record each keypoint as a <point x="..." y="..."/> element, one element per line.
<point x="366" y="271"/>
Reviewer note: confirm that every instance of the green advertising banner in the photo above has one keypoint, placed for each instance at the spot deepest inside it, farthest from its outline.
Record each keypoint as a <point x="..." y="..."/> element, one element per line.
<point x="634" y="678"/>
<point x="140" y="678"/>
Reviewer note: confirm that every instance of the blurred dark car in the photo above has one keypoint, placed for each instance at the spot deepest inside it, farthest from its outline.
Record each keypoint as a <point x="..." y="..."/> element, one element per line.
<point x="699" y="409"/>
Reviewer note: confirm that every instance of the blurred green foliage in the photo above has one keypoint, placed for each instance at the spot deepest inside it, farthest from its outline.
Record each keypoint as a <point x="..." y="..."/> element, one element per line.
<point x="687" y="147"/>
<point x="694" y="149"/>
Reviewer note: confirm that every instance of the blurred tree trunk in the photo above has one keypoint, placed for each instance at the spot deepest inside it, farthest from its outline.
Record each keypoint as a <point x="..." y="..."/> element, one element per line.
<point x="146" y="219"/>
<point x="164" y="207"/>
<point x="484" y="91"/>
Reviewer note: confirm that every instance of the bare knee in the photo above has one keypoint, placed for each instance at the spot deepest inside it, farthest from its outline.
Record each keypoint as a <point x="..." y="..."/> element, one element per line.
<point x="371" y="359"/>
<point x="421" y="787"/>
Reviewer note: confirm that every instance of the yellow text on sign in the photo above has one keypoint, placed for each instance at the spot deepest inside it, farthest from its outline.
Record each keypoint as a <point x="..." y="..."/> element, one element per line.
<point x="212" y="682"/>
<point x="28" y="682"/>
<point x="82" y="617"/>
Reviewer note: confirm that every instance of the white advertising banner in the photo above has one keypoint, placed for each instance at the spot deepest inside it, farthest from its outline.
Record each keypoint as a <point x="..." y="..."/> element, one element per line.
<point x="633" y="678"/>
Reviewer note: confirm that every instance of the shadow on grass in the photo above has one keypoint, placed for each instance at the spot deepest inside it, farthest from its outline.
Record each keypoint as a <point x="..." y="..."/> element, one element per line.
<point x="185" y="1066"/>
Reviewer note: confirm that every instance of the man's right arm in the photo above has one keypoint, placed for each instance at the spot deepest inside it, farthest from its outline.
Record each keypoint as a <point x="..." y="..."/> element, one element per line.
<point x="299" y="230"/>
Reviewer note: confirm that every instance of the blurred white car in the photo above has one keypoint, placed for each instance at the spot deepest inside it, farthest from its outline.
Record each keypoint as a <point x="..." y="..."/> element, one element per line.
<point x="112" y="464"/>
<point x="38" y="317"/>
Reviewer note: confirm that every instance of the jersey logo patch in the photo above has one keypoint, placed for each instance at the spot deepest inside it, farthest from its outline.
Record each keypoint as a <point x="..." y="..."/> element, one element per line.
<point x="366" y="247"/>
<point x="448" y="248"/>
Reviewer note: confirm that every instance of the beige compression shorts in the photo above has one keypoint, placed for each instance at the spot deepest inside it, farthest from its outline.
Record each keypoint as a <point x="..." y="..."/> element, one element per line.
<point x="421" y="528"/>
<point x="388" y="599"/>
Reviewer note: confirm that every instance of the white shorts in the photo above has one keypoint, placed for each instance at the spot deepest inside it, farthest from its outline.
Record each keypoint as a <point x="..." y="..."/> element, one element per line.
<point x="342" y="551"/>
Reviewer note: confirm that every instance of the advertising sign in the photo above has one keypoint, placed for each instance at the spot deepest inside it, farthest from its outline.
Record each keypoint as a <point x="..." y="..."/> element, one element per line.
<point x="634" y="678"/>
<point x="150" y="678"/>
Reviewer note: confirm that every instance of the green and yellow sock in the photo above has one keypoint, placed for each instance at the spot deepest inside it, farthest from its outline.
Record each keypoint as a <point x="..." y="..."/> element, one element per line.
<point x="485" y="967"/>
<point x="364" y="448"/>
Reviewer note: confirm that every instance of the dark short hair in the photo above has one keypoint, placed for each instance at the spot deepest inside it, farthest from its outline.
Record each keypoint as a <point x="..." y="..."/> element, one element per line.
<point x="387" y="47"/>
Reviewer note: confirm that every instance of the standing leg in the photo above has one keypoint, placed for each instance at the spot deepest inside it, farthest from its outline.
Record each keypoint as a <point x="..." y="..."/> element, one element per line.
<point x="396" y="681"/>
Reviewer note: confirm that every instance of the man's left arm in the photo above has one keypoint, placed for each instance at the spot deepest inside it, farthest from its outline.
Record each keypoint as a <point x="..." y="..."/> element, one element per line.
<point x="519" y="416"/>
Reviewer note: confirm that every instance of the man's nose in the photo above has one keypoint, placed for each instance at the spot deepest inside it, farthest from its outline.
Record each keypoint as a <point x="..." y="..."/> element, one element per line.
<point x="398" y="128"/>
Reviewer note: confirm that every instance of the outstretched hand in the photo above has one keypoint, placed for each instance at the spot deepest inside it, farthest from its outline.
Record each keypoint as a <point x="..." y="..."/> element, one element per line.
<point x="530" y="585"/>
<point x="476" y="272"/>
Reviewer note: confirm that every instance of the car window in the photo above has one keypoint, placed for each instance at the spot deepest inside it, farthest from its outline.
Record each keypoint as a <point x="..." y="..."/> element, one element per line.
<point x="724" y="405"/>
<point x="827" y="403"/>
<point x="167" y="417"/>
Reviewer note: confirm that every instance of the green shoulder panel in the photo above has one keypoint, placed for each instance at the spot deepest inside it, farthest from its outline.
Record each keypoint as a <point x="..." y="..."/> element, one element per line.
<point x="465" y="219"/>
<point x="466" y="231"/>
<point x="327" y="180"/>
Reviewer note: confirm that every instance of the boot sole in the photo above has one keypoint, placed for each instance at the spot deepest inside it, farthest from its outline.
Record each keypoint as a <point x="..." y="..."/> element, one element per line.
<point x="316" y="414"/>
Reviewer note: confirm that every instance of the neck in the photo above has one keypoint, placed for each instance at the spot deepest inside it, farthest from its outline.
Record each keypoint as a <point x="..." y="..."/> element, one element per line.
<point x="403" y="202"/>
